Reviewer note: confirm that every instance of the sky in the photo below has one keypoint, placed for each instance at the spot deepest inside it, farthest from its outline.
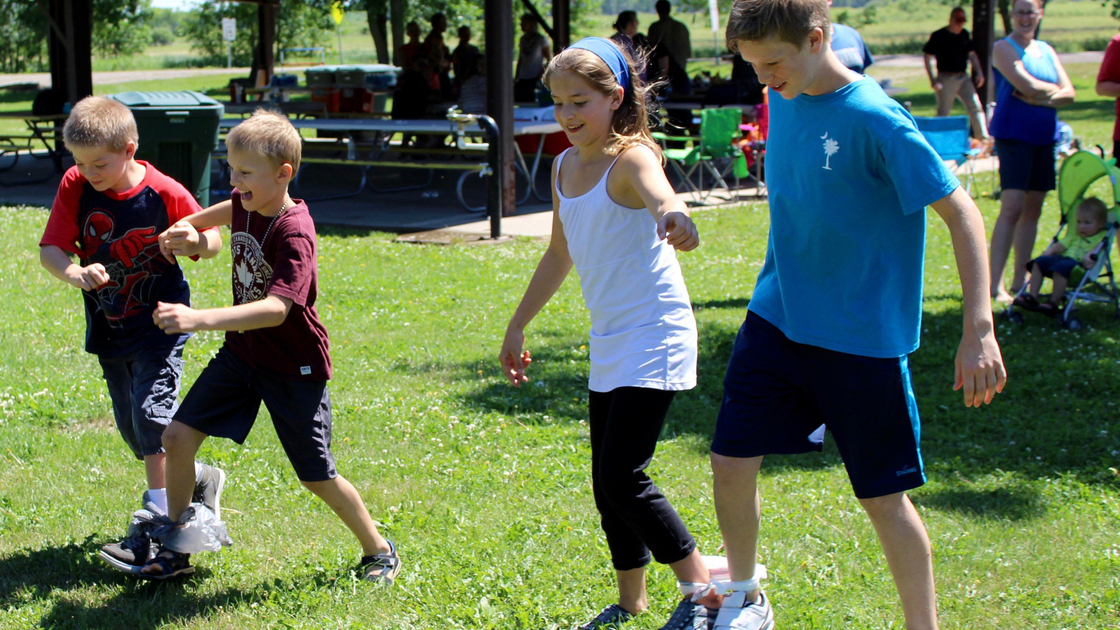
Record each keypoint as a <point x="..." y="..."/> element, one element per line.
<point x="182" y="5"/>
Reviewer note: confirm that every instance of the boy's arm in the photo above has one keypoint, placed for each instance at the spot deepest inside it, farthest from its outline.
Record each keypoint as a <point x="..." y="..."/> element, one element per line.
<point x="644" y="172"/>
<point x="1054" y="249"/>
<point x="979" y="365"/>
<point x="55" y="260"/>
<point x="179" y="318"/>
<point x="184" y="238"/>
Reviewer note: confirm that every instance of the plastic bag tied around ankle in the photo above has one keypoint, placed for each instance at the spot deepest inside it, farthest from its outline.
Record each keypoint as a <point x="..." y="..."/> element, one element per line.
<point x="745" y="586"/>
<point x="198" y="529"/>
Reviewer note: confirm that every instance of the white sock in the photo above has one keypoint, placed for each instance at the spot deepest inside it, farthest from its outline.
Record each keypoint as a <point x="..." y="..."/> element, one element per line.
<point x="159" y="497"/>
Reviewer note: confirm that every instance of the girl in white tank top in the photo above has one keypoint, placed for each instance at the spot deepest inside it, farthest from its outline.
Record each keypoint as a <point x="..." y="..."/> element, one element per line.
<point x="617" y="220"/>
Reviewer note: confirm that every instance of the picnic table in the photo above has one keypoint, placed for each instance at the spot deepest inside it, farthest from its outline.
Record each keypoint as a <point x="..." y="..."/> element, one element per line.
<point x="356" y="135"/>
<point x="43" y="128"/>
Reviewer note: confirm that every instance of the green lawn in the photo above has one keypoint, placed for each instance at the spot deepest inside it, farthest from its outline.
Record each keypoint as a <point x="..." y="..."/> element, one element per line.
<point x="486" y="488"/>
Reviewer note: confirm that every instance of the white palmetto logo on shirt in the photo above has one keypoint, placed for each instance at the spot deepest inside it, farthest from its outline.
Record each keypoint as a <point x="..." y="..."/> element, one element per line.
<point x="831" y="146"/>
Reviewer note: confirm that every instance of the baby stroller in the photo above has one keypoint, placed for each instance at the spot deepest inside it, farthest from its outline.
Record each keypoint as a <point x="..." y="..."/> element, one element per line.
<point x="1080" y="171"/>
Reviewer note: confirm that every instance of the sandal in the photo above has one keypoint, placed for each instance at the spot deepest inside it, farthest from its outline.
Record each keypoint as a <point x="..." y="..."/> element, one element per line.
<point x="382" y="567"/>
<point x="1026" y="301"/>
<point x="1049" y="309"/>
<point x="169" y="563"/>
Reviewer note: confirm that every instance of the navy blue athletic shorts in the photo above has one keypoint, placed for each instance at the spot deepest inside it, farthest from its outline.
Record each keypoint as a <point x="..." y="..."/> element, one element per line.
<point x="225" y="399"/>
<point x="1050" y="265"/>
<point x="1025" y="166"/>
<point x="780" y="395"/>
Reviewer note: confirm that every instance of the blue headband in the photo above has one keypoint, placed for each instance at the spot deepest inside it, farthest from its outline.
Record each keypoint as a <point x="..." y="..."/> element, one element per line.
<point x="611" y="55"/>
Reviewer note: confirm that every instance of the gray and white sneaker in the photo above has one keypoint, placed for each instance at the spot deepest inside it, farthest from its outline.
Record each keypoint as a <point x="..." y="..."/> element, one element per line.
<point x="208" y="484"/>
<point x="738" y="614"/>
<point x="129" y="555"/>
<point x="688" y="615"/>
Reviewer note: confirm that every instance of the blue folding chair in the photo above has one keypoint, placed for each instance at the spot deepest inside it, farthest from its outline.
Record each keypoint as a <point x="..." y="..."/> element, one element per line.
<point x="949" y="137"/>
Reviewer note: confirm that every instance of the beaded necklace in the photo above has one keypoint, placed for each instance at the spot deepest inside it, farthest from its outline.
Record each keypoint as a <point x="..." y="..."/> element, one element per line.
<point x="249" y="216"/>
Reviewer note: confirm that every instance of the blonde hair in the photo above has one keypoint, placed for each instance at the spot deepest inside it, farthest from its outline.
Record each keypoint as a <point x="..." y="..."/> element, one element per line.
<point x="790" y="21"/>
<point x="269" y="134"/>
<point x="96" y="121"/>
<point x="630" y="122"/>
<point x="1095" y="208"/>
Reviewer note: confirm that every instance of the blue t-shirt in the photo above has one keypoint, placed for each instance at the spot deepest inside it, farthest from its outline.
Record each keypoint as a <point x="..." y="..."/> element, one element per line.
<point x="850" y="49"/>
<point x="849" y="176"/>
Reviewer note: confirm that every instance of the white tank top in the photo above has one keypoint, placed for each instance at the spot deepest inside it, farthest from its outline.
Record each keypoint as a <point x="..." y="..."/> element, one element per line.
<point x="643" y="333"/>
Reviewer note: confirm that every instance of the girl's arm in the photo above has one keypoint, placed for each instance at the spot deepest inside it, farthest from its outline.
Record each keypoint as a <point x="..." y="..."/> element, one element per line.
<point x="551" y="271"/>
<point x="979" y="368"/>
<point x="180" y="318"/>
<point x="642" y="179"/>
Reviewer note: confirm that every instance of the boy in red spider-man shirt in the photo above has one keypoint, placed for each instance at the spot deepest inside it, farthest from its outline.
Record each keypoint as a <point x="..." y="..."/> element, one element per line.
<point x="109" y="211"/>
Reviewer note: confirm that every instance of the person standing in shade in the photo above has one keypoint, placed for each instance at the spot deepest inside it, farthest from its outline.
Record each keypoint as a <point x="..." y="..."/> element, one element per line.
<point x="1030" y="85"/>
<point x="673" y="37"/>
<point x="1108" y="84"/>
<point x="953" y="50"/>
<point x="533" y="54"/>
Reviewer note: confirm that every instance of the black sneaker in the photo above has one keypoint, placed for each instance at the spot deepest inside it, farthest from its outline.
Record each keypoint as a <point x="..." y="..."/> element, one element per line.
<point x="130" y="554"/>
<point x="382" y="567"/>
<point x="688" y="615"/>
<point x="209" y="481"/>
<point x="166" y="564"/>
<point x="611" y="618"/>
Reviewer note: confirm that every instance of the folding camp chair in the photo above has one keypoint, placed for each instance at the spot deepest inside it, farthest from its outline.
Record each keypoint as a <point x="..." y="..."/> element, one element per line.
<point x="719" y="130"/>
<point x="949" y="137"/>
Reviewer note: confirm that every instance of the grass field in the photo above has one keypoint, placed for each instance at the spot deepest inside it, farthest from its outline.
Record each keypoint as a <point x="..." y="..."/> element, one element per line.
<point x="486" y="488"/>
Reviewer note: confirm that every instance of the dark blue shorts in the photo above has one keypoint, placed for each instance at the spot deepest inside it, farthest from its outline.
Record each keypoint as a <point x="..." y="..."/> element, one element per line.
<point x="1025" y="166"/>
<point x="225" y="399"/>
<point x="780" y="395"/>
<point x="1050" y="265"/>
<point x="144" y="388"/>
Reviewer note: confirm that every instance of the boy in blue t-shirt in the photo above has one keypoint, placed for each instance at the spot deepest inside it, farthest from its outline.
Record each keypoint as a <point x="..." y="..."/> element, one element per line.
<point x="837" y="305"/>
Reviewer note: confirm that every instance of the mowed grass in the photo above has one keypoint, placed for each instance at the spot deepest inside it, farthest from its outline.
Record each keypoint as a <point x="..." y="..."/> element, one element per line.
<point x="486" y="490"/>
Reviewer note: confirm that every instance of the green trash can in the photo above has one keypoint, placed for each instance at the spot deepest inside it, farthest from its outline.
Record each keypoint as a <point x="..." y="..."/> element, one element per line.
<point x="178" y="132"/>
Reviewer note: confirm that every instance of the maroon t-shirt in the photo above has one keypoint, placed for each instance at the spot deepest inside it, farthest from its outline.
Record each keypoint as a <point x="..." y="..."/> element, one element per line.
<point x="1110" y="71"/>
<point x="279" y="258"/>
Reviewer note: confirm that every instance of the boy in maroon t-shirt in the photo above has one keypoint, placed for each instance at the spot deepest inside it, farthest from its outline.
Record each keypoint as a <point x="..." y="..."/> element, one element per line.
<point x="276" y="349"/>
<point x="108" y="212"/>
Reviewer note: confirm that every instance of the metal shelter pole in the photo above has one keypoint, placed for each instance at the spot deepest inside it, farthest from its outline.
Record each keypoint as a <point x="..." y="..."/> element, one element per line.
<point x="983" y="36"/>
<point x="499" y="92"/>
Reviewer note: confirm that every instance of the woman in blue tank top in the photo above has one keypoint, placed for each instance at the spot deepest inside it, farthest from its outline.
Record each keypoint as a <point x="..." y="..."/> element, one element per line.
<point x="1030" y="85"/>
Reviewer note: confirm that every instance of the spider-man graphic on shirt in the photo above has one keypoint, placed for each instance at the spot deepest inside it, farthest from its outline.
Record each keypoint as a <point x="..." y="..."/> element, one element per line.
<point x="120" y="231"/>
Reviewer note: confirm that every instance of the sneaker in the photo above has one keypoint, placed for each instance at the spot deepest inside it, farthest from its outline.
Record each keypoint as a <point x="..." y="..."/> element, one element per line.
<point x="166" y="564"/>
<point x="738" y="614"/>
<point x="688" y="615"/>
<point x="209" y="481"/>
<point x="612" y="616"/>
<point x="131" y="554"/>
<point x="382" y="567"/>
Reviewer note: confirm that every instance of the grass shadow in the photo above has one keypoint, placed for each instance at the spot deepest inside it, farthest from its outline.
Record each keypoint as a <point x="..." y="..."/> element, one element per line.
<point x="60" y="577"/>
<point x="1013" y="503"/>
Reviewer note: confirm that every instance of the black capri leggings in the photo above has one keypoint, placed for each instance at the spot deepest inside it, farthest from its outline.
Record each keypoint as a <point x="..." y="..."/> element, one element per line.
<point x="636" y="517"/>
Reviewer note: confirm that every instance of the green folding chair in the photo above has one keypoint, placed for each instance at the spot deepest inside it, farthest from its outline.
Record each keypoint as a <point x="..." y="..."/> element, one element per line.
<point x="719" y="130"/>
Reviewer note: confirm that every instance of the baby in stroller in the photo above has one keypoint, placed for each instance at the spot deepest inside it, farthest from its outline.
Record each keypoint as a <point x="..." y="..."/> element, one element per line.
<point x="1080" y="246"/>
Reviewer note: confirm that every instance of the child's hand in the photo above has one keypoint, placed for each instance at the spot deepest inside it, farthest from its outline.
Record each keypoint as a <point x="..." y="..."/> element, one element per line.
<point x="180" y="239"/>
<point x="175" y="318"/>
<point x="677" y="229"/>
<point x="89" y="278"/>
<point x="979" y="369"/>
<point x="513" y="358"/>
<point x="1089" y="260"/>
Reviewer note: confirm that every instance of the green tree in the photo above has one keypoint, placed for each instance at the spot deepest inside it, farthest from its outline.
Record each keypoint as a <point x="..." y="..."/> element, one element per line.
<point x="299" y="23"/>
<point x="23" y="41"/>
<point x="120" y="27"/>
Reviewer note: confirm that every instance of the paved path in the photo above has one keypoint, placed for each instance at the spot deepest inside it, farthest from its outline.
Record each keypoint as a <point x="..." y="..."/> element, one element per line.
<point x="915" y="61"/>
<point x="125" y="76"/>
